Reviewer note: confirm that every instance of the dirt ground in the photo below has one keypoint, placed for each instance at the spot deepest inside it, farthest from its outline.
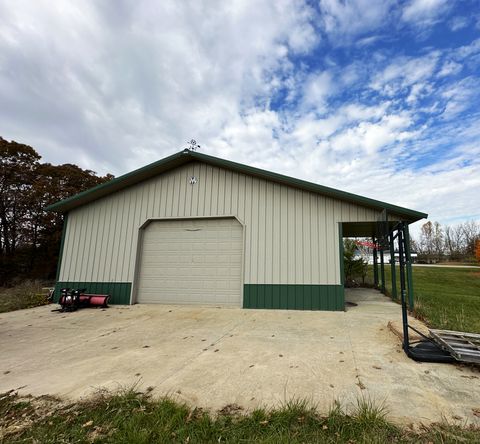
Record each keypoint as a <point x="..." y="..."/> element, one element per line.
<point x="210" y="357"/>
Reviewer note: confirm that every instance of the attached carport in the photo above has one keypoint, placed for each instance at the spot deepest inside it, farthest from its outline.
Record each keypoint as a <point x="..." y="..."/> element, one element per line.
<point x="385" y="235"/>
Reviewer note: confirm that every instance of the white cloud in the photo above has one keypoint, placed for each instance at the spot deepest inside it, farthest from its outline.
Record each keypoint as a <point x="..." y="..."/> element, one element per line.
<point x="351" y="74"/>
<point x="417" y="91"/>
<point x="449" y="68"/>
<point x="344" y="19"/>
<point x="366" y="41"/>
<point x="459" y="96"/>
<point x="369" y="137"/>
<point x="458" y="22"/>
<point x="424" y="12"/>
<point x="404" y="72"/>
<point x="310" y="130"/>
<point x="163" y="72"/>
<point x="356" y="112"/>
<point x="316" y="90"/>
<point x="468" y="50"/>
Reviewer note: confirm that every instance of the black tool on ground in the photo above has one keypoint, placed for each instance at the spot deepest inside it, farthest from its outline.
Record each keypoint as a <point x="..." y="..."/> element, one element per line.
<point x="70" y="299"/>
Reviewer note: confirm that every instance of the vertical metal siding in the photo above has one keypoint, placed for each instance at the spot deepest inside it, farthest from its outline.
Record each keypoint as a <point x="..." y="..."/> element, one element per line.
<point x="291" y="236"/>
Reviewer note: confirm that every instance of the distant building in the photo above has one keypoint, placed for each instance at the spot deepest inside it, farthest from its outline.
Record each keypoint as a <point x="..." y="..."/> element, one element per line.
<point x="386" y="257"/>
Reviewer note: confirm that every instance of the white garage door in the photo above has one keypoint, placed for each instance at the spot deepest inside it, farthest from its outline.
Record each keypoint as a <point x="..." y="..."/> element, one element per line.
<point x="194" y="261"/>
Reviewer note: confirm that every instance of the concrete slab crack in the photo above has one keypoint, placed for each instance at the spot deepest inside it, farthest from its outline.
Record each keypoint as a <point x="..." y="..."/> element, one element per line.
<point x="188" y="362"/>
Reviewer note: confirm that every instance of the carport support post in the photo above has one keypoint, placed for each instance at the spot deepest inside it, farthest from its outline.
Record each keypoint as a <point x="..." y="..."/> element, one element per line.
<point x="406" y="236"/>
<point x="382" y="270"/>
<point x="402" y="288"/>
<point x="393" y="269"/>
<point x="375" y="264"/>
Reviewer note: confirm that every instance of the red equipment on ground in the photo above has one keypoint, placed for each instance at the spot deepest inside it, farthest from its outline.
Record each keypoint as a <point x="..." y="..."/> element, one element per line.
<point x="74" y="299"/>
<point x="94" y="300"/>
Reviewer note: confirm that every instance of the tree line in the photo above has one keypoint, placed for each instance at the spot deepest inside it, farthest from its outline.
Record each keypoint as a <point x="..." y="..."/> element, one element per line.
<point x="29" y="235"/>
<point x="438" y="242"/>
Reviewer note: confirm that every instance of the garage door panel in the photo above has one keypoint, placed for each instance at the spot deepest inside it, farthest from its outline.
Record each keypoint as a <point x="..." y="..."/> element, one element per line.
<point x="215" y="267"/>
<point x="196" y="261"/>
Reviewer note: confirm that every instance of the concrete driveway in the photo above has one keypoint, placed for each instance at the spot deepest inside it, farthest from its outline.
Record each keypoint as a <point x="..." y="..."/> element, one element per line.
<point x="211" y="357"/>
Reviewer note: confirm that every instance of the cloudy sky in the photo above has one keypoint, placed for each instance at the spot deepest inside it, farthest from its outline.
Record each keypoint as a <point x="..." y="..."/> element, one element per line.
<point x="375" y="97"/>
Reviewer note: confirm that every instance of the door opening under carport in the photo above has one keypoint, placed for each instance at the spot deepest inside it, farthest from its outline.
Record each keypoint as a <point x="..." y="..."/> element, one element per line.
<point x="384" y="238"/>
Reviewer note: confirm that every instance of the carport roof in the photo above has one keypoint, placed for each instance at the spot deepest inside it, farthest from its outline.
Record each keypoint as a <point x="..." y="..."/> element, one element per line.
<point x="187" y="156"/>
<point x="363" y="229"/>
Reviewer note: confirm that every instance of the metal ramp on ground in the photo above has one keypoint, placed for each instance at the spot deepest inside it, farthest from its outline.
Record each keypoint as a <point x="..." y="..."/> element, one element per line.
<point x="464" y="347"/>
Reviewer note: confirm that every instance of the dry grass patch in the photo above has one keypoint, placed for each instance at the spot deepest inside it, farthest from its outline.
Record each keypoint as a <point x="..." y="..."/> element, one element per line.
<point x="26" y="294"/>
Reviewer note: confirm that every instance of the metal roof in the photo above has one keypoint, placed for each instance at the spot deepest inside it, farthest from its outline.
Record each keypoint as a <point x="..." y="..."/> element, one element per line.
<point x="186" y="156"/>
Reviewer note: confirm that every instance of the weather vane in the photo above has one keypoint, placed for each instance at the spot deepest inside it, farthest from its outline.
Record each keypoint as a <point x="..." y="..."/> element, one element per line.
<point x="193" y="145"/>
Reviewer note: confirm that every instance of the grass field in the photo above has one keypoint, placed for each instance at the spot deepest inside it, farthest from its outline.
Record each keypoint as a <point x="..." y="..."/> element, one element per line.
<point x="131" y="417"/>
<point x="446" y="298"/>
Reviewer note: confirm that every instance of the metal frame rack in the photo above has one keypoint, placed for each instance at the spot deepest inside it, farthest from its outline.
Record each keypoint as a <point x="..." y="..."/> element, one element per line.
<point x="441" y="345"/>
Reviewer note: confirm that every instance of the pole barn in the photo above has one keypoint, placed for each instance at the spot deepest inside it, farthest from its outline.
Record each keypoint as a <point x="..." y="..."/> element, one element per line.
<point x="196" y="229"/>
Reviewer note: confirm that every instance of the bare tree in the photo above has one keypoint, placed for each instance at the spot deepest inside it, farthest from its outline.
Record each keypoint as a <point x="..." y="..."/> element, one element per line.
<point x="456" y="242"/>
<point x="426" y="240"/>
<point x="471" y="232"/>
<point x="437" y="240"/>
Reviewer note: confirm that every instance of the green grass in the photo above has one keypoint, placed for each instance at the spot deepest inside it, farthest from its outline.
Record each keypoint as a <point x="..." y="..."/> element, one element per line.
<point x="24" y="295"/>
<point x="446" y="298"/>
<point x="131" y="417"/>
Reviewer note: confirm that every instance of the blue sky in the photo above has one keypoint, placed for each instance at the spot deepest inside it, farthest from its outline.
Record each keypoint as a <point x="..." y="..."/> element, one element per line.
<point x="376" y="97"/>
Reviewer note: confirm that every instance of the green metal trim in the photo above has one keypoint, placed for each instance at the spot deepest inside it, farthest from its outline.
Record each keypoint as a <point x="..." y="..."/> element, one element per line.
<point x="375" y="265"/>
<point x="186" y="156"/>
<point x="341" y="251"/>
<point x="382" y="271"/>
<point x="62" y="244"/>
<point x="294" y="297"/>
<point x="393" y="271"/>
<point x="119" y="291"/>
<point x="406" y="234"/>
<point x="342" y="259"/>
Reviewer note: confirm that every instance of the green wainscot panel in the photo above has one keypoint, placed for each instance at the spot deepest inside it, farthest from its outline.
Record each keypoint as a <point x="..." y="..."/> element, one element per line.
<point x="294" y="296"/>
<point x="119" y="291"/>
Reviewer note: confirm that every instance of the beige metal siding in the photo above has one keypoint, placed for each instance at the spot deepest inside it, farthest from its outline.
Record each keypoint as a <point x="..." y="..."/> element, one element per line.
<point x="191" y="261"/>
<point x="291" y="236"/>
